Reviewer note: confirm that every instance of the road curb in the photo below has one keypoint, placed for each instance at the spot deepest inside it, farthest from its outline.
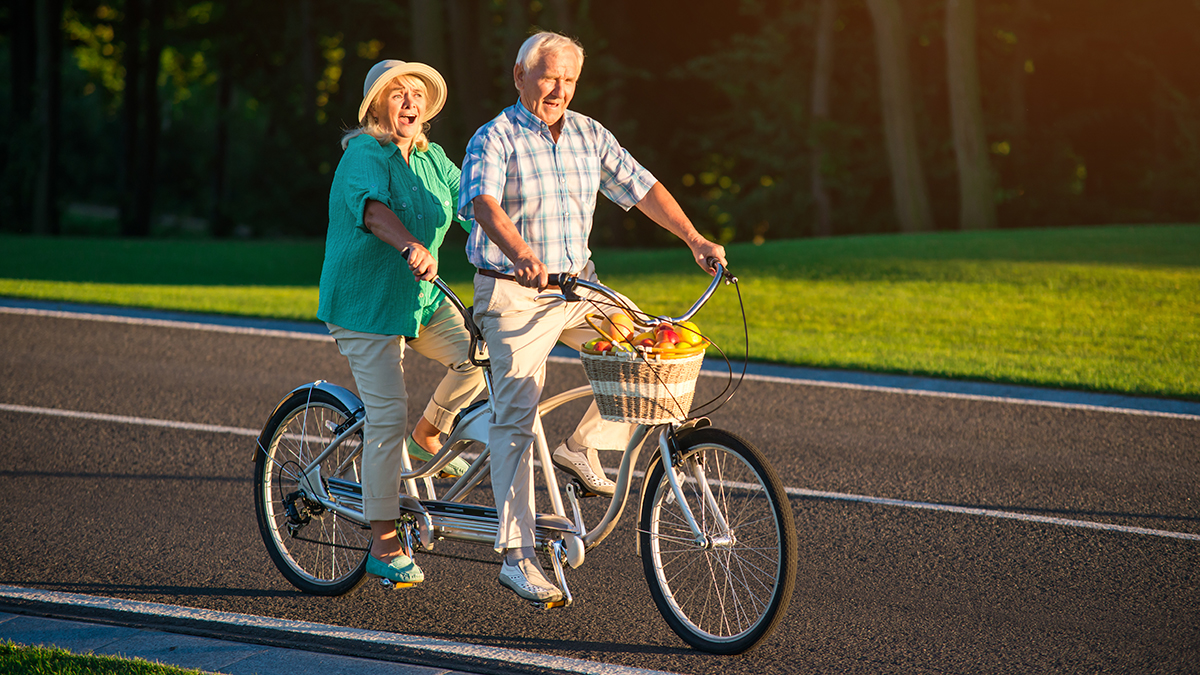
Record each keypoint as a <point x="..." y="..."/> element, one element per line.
<point x="300" y="635"/>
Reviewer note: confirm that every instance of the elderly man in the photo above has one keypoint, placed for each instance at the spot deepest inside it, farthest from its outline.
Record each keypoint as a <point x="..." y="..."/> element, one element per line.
<point x="529" y="185"/>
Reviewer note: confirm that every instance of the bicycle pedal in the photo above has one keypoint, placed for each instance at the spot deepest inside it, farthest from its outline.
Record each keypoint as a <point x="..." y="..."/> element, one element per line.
<point x="581" y="490"/>
<point x="394" y="585"/>
<point x="552" y="604"/>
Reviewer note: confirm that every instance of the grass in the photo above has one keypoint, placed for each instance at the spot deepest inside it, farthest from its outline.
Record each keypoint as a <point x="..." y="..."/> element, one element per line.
<point x="1106" y="308"/>
<point x="18" y="660"/>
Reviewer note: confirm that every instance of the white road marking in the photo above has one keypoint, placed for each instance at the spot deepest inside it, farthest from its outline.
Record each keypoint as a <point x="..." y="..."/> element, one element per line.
<point x="793" y="491"/>
<point x="321" y="337"/>
<point x="168" y="323"/>
<point x="124" y="419"/>
<point x="498" y="658"/>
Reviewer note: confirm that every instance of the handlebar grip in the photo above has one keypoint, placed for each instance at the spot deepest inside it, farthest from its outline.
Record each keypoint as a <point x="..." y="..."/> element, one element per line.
<point x="558" y="279"/>
<point x="712" y="262"/>
<point x="405" y="252"/>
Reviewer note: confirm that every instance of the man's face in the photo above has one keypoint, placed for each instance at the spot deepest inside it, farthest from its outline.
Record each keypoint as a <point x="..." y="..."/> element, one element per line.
<point x="547" y="88"/>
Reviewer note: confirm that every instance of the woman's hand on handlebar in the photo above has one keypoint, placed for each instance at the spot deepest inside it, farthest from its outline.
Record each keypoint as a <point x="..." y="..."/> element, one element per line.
<point x="421" y="262"/>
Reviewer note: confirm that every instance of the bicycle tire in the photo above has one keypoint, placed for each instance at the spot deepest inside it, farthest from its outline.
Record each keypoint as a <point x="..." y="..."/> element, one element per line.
<point x="722" y="599"/>
<point x="317" y="551"/>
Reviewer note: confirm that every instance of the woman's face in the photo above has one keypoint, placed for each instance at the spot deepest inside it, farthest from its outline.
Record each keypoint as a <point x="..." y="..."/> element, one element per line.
<point x="402" y="110"/>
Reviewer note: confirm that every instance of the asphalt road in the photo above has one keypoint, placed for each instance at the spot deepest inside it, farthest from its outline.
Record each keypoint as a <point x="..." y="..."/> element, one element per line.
<point x="165" y="515"/>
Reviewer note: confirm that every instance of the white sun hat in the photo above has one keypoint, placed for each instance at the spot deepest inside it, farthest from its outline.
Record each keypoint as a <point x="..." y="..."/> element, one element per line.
<point x="381" y="74"/>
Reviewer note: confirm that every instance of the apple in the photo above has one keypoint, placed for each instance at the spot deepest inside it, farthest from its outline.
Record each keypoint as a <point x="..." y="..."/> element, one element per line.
<point x="602" y="346"/>
<point x="646" y="342"/>
<point x="618" y="326"/>
<point x="668" y="335"/>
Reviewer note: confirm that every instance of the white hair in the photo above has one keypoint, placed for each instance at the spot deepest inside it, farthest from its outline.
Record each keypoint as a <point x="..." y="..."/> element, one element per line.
<point x="543" y="43"/>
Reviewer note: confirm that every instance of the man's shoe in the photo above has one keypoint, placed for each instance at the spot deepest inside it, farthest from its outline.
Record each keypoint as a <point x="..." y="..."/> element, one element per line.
<point x="577" y="464"/>
<point x="457" y="466"/>
<point x="401" y="570"/>
<point x="527" y="580"/>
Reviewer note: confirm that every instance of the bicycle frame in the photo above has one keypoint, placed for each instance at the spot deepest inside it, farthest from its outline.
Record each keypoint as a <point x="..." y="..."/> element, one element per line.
<point x="345" y="498"/>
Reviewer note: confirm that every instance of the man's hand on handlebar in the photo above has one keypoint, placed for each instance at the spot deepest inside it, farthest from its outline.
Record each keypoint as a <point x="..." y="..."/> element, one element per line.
<point x="531" y="272"/>
<point x="704" y="250"/>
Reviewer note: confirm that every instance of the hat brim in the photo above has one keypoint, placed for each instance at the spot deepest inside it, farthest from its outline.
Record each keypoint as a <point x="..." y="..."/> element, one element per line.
<point x="435" y="85"/>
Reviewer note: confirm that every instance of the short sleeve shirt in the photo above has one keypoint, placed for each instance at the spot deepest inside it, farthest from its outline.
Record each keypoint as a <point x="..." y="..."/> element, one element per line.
<point x="547" y="189"/>
<point x="366" y="285"/>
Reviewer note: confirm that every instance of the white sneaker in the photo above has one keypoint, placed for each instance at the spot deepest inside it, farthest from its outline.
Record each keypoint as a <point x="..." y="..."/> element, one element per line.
<point x="528" y="581"/>
<point x="578" y="464"/>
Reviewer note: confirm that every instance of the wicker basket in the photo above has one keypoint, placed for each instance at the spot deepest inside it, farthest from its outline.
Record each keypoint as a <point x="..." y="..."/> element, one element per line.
<point x="633" y="387"/>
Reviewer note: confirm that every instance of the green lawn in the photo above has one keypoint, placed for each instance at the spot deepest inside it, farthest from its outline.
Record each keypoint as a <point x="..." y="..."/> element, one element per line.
<point x="18" y="660"/>
<point x="1102" y="308"/>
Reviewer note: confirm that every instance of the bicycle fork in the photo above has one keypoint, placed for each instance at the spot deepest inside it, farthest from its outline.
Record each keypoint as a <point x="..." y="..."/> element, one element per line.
<point x="671" y="460"/>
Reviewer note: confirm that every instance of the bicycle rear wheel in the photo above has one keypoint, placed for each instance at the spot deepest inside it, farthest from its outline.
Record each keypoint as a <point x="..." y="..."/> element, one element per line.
<point x="725" y="595"/>
<point x="318" y="551"/>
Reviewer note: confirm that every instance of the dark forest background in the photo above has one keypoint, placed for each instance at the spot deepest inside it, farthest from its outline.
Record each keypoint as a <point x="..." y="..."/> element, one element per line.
<point x="768" y="119"/>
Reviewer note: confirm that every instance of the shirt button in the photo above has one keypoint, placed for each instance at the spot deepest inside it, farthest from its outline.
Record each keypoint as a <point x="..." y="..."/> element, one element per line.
<point x="447" y="202"/>
<point x="420" y="216"/>
<point x="414" y="188"/>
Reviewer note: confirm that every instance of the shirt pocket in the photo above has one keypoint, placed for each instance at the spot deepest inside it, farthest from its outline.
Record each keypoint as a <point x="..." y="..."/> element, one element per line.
<point x="588" y="167"/>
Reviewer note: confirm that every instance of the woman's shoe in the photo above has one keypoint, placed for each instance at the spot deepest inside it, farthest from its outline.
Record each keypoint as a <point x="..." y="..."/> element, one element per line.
<point x="401" y="571"/>
<point x="457" y="466"/>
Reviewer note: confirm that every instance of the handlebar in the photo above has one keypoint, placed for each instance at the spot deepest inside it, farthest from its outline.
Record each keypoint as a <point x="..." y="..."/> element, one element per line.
<point x="567" y="284"/>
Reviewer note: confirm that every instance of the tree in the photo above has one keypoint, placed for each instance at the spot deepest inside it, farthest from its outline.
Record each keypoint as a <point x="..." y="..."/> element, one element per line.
<point x="822" y="76"/>
<point x="47" y="107"/>
<point x="909" y="191"/>
<point x="976" y="184"/>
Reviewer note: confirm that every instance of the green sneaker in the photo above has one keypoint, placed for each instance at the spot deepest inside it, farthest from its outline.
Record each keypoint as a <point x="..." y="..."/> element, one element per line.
<point x="457" y="466"/>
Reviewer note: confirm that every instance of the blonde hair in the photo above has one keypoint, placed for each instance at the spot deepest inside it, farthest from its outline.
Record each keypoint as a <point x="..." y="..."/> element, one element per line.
<point x="370" y="125"/>
<point x="545" y="42"/>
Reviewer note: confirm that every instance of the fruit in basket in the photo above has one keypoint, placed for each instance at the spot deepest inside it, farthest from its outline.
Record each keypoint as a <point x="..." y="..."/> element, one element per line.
<point x="689" y="333"/>
<point x="597" y="345"/>
<point x="618" y="326"/>
<point x="668" y="335"/>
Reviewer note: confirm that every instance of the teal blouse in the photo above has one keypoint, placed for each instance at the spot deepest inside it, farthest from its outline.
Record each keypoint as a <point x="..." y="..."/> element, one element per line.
<point x="365" y="285"/>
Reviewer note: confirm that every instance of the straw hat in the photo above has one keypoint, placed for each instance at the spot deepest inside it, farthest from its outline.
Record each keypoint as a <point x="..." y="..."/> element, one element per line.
<point x="381" y="74"/>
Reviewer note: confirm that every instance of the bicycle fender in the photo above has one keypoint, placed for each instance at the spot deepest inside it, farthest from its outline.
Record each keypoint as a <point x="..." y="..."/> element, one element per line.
<point x="681" y="433"/>
<point x="344" y="396"/>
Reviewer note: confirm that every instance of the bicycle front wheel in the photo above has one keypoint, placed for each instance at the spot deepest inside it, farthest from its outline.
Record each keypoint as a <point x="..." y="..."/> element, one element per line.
<point x="317" y="550"/>
<point x="725" y="594"/>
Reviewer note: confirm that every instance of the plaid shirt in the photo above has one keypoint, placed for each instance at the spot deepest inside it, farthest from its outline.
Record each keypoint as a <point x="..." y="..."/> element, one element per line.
<point x="547" y="189"/>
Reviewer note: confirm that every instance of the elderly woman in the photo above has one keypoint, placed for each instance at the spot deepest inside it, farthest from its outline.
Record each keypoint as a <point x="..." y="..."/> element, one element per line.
<point x="394" y="190"/>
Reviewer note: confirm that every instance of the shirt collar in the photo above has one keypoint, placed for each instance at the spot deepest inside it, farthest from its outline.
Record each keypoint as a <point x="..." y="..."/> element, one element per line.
<point x="534" y="123"/>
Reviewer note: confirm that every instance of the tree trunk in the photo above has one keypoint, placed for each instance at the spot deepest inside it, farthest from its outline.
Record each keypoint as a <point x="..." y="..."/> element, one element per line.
<point x="822" y="77"/>
<point x="516" y="30"/>
<point x="19" y="151"/>
<point x="468" y="65"/>
<point x="131" y="27"/>
<point x="146" y="176"/>
<point x="976" y="185"/>
<point x="22" y="57"/>
<point x="908" y="180"/>
<point x="308" y="62"/>
<point x="222" y="222"/>
<point x="428" y="34"/>
<point x="562" y="16"/>
<point x="47" y="108"/>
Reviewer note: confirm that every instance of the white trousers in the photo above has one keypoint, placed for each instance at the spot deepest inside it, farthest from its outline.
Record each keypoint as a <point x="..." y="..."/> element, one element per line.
<point x="377" y="362"/>
<point x="520" y="331"/>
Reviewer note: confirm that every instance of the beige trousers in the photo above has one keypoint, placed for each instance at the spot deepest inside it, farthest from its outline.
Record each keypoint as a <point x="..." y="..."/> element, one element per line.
<point x="377" y="362"/>
<point x="520" y="331"/>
